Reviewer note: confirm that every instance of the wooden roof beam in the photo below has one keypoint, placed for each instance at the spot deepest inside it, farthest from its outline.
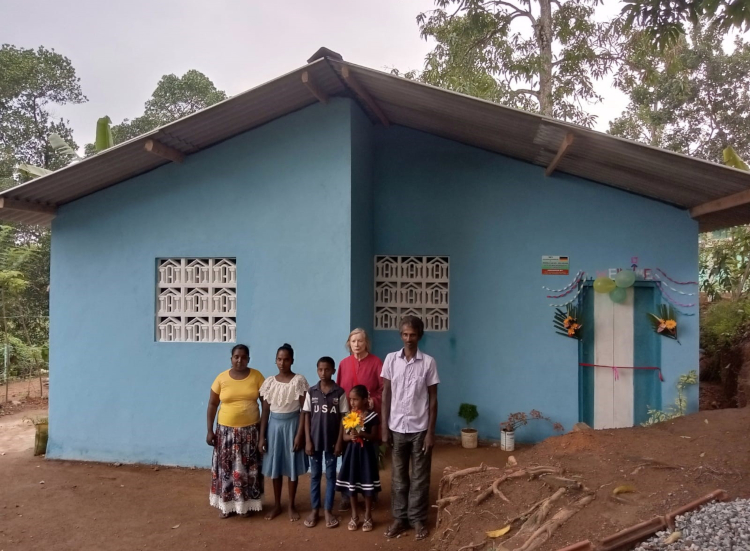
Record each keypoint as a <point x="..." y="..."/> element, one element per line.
<point x="561" y="151"/>
<point x="321" y="96"/>
<point x="158" y="148"/>
<point x="364" y="96"/>
<point x="728" y="202"/>
<point x="15" y="204"/>
<point x="560" y="154"/>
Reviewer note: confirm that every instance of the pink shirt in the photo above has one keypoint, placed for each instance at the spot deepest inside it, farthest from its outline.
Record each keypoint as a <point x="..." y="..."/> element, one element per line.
<point x="410" y="402"/>
<point x="353" y="372"/>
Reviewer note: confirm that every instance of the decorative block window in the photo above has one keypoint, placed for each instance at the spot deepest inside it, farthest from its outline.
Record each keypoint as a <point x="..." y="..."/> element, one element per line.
<point x="197" y="300"/>
<point x="411" y="285"/>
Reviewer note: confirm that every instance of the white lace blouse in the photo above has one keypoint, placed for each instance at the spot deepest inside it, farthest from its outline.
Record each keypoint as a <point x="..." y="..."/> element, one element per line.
<point x="284" y="397"/>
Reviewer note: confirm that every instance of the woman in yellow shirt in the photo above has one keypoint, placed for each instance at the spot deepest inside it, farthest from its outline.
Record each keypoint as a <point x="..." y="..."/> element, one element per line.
<point x="236" y="478"/>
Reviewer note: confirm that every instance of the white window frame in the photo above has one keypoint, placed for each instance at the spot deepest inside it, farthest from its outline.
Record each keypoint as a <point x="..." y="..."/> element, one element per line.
<point x="412" y="285"/>
<point x="196" y="299"/>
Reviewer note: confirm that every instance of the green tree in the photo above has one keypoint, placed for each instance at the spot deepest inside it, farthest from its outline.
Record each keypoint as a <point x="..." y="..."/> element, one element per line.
<point x="537" y="55"/>
<point x="33" y="82"/>
<point x="724" y="262"/>
<point x="664" y="20"/>
<point x="692" y="97"/>
<point x="174" y="97"/>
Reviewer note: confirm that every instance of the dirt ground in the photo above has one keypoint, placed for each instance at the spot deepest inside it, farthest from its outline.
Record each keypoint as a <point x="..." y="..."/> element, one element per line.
<point x="108" y="508"/>
<point x="667" y="465"/>
<point x="712" y="396"/>
<point x="22" y="396"/>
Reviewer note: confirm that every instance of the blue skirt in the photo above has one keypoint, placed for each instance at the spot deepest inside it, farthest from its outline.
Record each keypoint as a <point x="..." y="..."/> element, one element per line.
<point x="280" y="460"/>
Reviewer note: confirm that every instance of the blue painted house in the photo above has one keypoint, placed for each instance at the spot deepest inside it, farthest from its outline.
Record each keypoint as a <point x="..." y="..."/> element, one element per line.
<point x="337" y="197"/>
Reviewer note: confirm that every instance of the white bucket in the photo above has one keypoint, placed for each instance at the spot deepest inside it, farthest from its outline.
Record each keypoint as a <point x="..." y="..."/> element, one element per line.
<point x="507" y="440"/>
<point x="469" y="438"/>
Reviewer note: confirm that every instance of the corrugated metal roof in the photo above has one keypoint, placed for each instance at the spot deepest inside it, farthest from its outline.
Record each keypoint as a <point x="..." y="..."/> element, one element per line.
<point x="659" y="174"/>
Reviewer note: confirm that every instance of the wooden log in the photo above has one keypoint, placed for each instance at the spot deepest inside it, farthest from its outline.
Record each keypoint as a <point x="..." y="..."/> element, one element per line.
<point x="15" y="204"/>
<point x="496" y="488"/>
<point x="540" y="536"/>
<point x="311" y="85"/>
<point x="364" y="96"/>
<point x="158" y="148"/>
<point x="560" y="154"/>
<point x="561" y="482"/>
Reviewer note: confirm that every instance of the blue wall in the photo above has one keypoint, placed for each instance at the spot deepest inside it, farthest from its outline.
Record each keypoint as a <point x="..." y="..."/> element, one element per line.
<point x="495" y="217"/>
<point x="277" y="199"/>
<point x="362" y="288"/>
<point x="304" y="203"/>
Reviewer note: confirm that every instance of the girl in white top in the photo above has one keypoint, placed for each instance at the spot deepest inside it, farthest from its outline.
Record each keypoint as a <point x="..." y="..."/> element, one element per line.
<point x="282" y="430"/>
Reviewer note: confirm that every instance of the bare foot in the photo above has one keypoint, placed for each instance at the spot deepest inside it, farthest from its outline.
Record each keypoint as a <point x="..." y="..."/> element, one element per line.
<point x="273" y="513"/>
<point x="312" y="519"/>
<point x="293" y="514"/>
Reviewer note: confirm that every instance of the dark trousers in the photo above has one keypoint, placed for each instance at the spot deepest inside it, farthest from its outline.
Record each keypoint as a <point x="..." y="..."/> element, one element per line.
<point x="410" y="497"/>
<point x="316" y="474"/>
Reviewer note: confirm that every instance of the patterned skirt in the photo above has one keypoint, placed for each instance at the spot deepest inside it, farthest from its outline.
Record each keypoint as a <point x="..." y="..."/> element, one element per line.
<point x="236" y="477"/>
<point x="280" y="460"/>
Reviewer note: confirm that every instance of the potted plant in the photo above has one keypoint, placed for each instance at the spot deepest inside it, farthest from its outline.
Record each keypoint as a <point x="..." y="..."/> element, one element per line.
<point x="468" y="412"/>
<point x="519" y="419"/>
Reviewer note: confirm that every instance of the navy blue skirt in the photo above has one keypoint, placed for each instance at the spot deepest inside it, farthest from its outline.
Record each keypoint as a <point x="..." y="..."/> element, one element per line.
<point x="359" y="470"/>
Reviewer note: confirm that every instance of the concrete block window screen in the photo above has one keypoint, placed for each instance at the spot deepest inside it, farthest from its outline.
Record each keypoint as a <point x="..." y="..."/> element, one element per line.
<point x="411" y="285"/>
<point x="196" y="300"/>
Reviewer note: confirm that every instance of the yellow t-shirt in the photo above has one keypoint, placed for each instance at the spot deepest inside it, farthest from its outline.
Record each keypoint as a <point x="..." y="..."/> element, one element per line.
<point x="239" y="399"/>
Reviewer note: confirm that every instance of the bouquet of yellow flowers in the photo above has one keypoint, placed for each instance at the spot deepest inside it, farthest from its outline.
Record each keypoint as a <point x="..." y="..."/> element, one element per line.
<point x="353" y="425"/>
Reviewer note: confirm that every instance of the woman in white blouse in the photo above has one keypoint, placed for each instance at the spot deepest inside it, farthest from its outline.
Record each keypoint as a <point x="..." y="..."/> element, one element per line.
<point x="282" y="430"/>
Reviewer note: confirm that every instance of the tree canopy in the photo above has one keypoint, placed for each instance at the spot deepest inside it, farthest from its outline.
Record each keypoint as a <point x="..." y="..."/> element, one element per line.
<point x="33" y="81"/>
<point x="692" y="97"/>
<point x="663" y="21"/>
<point x="537" y="55"/>
<point x="174" y="97"/>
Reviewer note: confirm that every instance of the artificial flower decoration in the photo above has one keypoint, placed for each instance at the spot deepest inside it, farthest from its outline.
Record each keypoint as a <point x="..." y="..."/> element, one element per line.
<point x="665" y="321"/>
<point x="568" y="324"/>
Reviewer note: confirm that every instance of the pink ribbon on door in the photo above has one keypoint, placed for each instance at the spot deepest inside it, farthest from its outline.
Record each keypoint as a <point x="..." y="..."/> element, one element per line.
<point x="616" y="374"/>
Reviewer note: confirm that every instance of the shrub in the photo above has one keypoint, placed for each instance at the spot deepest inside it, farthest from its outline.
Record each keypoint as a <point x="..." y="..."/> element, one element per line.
<point x="468" y="412"/>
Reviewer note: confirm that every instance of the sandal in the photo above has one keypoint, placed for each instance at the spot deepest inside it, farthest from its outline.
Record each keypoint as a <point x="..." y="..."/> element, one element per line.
<point x="353" y="524"/>
<point x="367" y="525"/>
<point x="421" y="531"/>
<point x="396" y="529"/>
<point x="333" y="523"/>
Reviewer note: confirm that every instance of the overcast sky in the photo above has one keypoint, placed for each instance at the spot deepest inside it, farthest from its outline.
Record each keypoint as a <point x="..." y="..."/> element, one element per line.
<point x="121" y="49"/>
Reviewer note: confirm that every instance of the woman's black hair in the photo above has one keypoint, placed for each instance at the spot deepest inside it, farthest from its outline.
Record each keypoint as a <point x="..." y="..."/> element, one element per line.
<point x="288" y="348"/>
<point x="361" y="391"/>
<point x="241" y="347"/>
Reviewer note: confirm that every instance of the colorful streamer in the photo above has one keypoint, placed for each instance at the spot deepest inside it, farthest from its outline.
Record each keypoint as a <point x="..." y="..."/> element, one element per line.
<point x="614" y="369"/>
<point x="568" y="287"/>
<point x="670" y="299"/>
<point x="676" y="282"/>
<point x="668" y="286"/>
<point x="575" y="297"/>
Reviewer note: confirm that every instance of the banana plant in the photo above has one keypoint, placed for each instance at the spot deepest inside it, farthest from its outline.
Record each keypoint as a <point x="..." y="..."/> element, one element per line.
<point x="103" y="141"/>
<point x="732" y="159"/>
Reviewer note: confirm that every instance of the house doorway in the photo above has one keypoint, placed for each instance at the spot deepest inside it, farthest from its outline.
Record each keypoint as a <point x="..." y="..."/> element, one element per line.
<point x="618" y="335"/>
